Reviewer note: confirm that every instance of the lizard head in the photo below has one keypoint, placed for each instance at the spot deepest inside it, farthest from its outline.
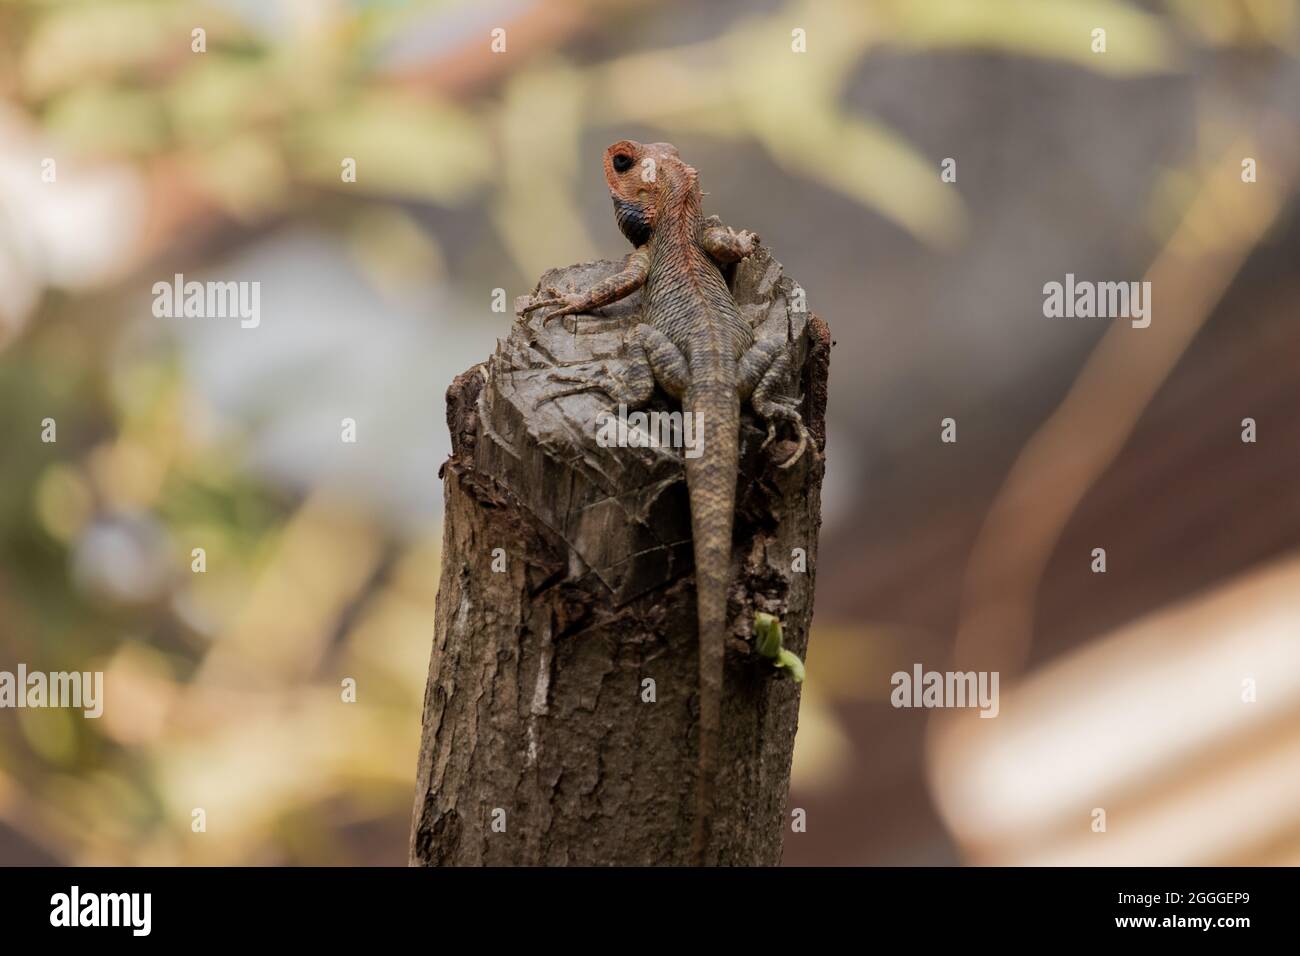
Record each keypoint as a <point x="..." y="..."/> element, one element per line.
<point x="644" y="178"/>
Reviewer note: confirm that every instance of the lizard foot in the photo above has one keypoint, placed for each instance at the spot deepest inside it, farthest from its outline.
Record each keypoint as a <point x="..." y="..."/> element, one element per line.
<point x="576" y="385"/>
<point x="805" y="439"/>
<point x="784" y="411"/>
<point x="554" y="304"/>
<point x="743" y="241"/>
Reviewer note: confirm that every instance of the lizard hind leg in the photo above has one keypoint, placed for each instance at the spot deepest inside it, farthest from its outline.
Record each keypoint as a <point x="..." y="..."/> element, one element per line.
<point x="665" y="360"/>
<point x="627" y="387"/>
<point x="652" y="358"/>
<point x="764" y="376"/>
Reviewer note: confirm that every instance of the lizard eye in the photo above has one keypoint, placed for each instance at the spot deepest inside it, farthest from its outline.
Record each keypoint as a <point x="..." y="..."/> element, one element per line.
<point x="622" y="162"/>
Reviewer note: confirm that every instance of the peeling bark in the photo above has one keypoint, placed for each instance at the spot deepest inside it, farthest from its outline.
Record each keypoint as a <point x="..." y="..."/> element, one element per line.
<point x="535" y="698"/>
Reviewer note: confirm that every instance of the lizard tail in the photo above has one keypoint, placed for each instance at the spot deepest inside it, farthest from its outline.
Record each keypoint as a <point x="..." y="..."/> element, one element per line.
<point x="711" y="480"/>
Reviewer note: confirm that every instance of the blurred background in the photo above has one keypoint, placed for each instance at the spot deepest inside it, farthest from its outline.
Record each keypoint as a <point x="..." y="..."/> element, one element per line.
<point x="1165" y="691"/>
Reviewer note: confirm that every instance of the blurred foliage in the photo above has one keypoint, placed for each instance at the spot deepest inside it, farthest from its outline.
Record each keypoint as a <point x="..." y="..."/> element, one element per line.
<point x="225" y="686"/>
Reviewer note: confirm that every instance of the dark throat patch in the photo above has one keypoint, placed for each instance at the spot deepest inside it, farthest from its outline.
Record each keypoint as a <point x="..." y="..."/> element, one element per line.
<point x="632" y="221"/>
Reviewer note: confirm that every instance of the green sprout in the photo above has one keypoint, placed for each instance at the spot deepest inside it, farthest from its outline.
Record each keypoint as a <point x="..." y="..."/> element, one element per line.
<point x="767" y="641"/>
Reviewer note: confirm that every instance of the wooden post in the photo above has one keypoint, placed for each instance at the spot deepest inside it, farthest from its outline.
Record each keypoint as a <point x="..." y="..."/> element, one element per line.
<point x="559" y="715"/>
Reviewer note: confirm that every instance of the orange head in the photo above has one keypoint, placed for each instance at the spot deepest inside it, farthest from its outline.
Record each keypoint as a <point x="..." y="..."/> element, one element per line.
<point x="645" y="179"/>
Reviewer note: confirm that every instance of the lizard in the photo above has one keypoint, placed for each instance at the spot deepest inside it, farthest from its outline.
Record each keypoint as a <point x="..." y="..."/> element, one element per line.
<point x="694" y="343"/>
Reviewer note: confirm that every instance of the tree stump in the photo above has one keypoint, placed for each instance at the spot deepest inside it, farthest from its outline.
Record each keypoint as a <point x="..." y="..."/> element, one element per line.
<point x="560" y="711"/>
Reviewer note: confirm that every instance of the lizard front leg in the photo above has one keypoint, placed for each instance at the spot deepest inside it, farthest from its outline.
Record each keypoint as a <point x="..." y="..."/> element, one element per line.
<point x="618" y="286"/>
<point x="726" y="245"/>
<point x="764" y="376"/>
<point x="654" y="358"/>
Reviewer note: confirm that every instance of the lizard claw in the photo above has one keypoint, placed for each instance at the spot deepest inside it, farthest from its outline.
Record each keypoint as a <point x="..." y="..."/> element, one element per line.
<point x="556" y="304"/>
<point x="746" y="241"/>
<point x="575" y="385"/>
<point x="798" y="452"/>
<point x="784" y="410"/>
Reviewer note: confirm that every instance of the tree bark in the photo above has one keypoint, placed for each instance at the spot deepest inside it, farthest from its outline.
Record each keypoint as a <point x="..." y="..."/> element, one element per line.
<point x="560" y="711"/>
